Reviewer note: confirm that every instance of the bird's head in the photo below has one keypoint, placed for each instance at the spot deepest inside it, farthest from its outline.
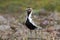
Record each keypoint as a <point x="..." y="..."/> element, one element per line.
<point x="29" y="10"/>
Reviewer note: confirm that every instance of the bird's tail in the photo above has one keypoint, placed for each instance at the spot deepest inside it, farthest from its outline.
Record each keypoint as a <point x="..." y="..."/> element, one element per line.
<point x="39" y="28"/>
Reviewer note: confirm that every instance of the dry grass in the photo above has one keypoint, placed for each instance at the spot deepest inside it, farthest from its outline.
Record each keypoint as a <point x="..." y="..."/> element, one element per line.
<point x="18" y="31"/>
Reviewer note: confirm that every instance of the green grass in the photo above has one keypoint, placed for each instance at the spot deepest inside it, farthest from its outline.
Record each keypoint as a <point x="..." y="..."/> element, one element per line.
<point x="15" y="5"/>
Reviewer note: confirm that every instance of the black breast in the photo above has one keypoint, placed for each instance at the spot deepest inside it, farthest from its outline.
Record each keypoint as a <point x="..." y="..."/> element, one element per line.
<point x="30" y="25"/>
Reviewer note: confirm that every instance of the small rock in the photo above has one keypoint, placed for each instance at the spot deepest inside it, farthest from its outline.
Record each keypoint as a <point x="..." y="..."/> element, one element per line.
<point x="4" y="27"/>
<point x="3" y="20"/>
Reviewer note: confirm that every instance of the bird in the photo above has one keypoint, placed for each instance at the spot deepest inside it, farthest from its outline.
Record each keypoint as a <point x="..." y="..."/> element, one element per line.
<point x="29" y="22"/>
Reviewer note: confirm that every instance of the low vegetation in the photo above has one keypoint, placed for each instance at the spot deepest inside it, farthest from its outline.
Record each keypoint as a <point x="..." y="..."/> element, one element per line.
<point x="20" y="5"/>
<point x="12" y="15"/>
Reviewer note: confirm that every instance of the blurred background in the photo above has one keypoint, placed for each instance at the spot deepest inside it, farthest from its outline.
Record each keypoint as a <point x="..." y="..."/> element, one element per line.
<point x="13" y="17"/>
<point x="20" y="5"/>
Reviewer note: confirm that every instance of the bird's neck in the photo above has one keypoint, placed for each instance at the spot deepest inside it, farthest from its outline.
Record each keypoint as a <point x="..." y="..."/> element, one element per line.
<point x="30" y="15"/>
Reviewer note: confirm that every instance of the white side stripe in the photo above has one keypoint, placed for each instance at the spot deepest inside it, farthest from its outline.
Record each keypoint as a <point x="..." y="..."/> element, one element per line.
<point x="31" y="21"/>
